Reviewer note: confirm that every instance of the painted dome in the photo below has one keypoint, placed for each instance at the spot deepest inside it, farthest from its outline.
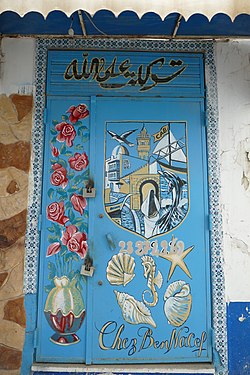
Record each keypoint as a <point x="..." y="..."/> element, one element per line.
<point x="119" y="150"/>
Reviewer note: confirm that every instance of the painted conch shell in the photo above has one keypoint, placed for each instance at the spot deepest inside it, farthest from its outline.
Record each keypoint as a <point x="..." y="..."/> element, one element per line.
<point x="133" y="311"/>
<point x="120" y="270"/>
<point x="178" y="302"/>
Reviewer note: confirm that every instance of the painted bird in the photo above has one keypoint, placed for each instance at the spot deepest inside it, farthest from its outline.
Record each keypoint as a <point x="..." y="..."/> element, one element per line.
<point x="123" y="137"/>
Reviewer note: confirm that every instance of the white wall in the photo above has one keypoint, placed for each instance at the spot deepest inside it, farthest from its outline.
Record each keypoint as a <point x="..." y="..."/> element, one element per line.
<point x="233" y="73"/>
<point x="17" y="56"/>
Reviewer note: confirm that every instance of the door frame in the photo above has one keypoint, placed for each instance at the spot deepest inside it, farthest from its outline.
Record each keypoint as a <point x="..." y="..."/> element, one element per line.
<point x="211" y="121"/>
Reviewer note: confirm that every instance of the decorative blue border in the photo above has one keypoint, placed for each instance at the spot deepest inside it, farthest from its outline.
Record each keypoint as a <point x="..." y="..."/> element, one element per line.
<point x="32" y="237"/>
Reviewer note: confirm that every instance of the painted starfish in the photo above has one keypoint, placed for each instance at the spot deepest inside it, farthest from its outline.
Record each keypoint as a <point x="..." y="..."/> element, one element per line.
<point x="176" y="259"/>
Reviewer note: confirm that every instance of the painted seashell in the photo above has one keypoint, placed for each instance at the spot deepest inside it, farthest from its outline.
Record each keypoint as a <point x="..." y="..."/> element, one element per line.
<point x="120" y="270"/>
<point x="133" y="311"/>
<point x="178" y="302"/>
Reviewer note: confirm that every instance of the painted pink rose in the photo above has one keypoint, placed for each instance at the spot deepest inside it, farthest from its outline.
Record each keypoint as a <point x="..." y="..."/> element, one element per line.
<point x="59" y="176"/>
<point x="67" y="133"/>
<point x="78" y="162"/>
<point x="55" y="212"/>
<point x="53" y="249"/>
<point x="54" y="150"/>
<point x="77" y="113"/>
<point x="75" y="241"/>
<point x="79" y="203"/>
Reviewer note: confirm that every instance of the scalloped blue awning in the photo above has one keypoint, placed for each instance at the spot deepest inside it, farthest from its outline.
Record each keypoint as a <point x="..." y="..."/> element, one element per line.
<point x="197" y="18"/>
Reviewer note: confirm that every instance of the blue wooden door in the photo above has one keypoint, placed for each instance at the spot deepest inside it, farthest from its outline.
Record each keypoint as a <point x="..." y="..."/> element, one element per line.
<point x="146" y="228"/>
<point x="150" y="291"/>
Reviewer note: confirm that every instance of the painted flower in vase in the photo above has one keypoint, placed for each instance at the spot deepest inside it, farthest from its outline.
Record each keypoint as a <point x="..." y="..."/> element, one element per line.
<point x="67" y="133"/>
<point x="78" y="162"/>
<point x="77" y="113"/>
<point x="59" y="176"/>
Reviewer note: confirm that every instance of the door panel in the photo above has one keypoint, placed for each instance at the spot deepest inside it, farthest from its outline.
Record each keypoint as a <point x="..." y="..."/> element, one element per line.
<point x="150" y="289"/>
<point x="64" y="225"/>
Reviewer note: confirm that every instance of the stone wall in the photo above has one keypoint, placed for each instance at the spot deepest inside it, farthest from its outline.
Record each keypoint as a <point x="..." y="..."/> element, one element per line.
<point x="15" y="150"/>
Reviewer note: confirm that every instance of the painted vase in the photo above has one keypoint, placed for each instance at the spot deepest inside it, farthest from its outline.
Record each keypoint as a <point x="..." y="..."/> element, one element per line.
<point x="64" y="311"/>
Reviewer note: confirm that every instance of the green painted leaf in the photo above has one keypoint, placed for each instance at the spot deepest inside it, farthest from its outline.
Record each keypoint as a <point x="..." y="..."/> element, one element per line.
<point x="65" y="117"/>
<point x="62" y="193"/>
<point x="51" y="275"/>
<point x="57" y="230"/>
<point x="68" y="205"/>
<point x="78" y="220"/>
<point x="85" y="138"/>
<point x="54" y="122"/>
<point x="63" y="252"/>
<point x="68" y="257"/>
<point x="79" y="147"/>
<point x="78" y="123"/>
<point x="51" y="267"/>
<point x="52" y="239"/>
<point x="63" y="149"/>
<point x="53" y="131"/>
<point x="62" y="162"/>
<point x="71" y="215"/>
<point x="51" y="193"/>
<point x="71" y="175"/>
<point x="51" y="229"/>
<point x="83" y="227"/>
<point x="77" y="180"/>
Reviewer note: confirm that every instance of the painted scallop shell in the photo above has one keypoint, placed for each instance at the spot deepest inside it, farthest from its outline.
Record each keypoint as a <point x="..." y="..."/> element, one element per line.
<point x="133" y="311"/>
<point x="178" y="302"/>
<point x="120" y="270"/>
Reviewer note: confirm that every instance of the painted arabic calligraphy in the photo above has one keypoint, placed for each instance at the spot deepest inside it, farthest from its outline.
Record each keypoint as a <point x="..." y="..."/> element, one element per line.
<point x="144" y="76"/>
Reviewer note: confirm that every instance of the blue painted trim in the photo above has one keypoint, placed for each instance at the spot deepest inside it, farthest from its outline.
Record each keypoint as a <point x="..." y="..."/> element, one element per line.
<point x="238" y="316"/>
<point x="127" y="23"/>
<point x="30" y="302"/>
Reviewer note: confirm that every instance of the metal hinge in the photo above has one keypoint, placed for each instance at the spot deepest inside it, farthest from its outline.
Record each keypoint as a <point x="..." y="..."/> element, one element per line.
<point x="39" y="222"/>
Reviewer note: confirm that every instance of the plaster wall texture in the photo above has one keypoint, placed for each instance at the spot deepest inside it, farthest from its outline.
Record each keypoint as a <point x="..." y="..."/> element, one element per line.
<point x="233" y="80"/>
<point x="17" y="65"/>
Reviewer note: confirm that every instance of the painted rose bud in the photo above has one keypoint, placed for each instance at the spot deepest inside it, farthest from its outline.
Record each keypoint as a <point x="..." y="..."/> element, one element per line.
<point x="78" y="162"/>
<point x="67" y="133"/>
<point x="79" y="203"/>
<point x="59" y="176"/>
<point x="55" y="212"/>
<point x="55" y="152"/>
<point x="75" y="241"/>
<point x="53" y="249"/>
<point x="77" y="113"/>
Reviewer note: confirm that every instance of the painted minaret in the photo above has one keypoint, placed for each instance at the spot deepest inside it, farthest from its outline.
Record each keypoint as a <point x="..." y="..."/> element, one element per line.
<point x="143" y="144"/>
